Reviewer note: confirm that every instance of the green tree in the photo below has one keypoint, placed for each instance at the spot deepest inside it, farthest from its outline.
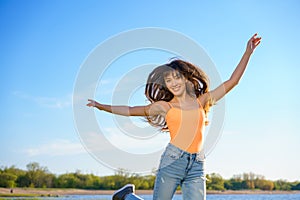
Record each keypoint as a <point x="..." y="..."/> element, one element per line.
<point x="296" y="186"/>
<point x="215" y="182"/>
<point x="282" y="185"/>
<point x="264" y="184"/>
<point x="37" y="176"/>
<point x="227" y="185"/>
<point x="7" y="180"/>
<point x="9" y="176"/>
<point x="248" y="181"/>
<point x="67" y="181"/>
<point x="23" y="180"/>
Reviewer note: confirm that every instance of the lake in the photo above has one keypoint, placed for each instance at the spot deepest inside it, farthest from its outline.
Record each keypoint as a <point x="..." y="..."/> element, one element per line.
<point x="178" y="197"/>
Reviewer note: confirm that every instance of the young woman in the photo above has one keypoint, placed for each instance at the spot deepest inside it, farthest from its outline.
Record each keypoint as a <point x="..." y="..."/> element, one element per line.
<point x="180" y="99"/>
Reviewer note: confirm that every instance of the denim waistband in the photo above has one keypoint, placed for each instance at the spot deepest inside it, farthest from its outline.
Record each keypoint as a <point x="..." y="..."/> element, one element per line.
<point x="199" y="155"/>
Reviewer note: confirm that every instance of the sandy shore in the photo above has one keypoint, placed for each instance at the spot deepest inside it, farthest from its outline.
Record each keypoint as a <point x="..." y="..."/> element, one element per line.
<point x="63" y="192"/>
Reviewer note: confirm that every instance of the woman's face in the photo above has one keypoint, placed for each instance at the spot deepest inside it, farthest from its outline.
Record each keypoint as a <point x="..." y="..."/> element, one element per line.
<point x="175" y="82"/>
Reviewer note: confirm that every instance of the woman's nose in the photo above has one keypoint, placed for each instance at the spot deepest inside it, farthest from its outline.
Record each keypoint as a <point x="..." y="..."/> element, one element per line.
<point x="173" y="82"/>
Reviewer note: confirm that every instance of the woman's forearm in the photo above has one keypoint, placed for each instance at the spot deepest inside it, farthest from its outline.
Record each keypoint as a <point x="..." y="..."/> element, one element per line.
<point x="240" y="69"/>
<point x="149" y="110"/>
<point x="120" y="110"/>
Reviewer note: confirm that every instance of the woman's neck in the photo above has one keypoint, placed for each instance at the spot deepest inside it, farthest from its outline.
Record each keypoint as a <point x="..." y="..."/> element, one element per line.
<point x="184" y="99"/>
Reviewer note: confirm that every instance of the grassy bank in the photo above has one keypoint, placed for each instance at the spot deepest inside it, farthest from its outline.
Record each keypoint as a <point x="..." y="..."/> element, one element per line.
<point x="53" y="192"/>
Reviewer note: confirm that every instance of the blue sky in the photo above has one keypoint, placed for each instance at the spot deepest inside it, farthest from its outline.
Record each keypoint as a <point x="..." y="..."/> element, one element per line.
<point x="44" y="43"/>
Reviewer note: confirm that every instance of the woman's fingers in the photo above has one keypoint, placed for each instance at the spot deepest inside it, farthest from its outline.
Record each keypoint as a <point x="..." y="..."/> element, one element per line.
<point x="91" y="103"/>
<point x="254" y="36"/>
<point x="253" y="42"/>
<point x="256" y="41"/>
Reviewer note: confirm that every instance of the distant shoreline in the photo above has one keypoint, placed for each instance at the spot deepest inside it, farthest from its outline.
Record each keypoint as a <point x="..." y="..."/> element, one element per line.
<point x="6" y="192"/>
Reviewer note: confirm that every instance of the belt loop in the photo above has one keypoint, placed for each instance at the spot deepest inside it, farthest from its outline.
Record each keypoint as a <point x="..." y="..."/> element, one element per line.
<point x="181" y="154"/>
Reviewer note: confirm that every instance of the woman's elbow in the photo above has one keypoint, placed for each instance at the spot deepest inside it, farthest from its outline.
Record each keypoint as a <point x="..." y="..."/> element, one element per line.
<point x="233" y="82"/>
<point x="230" y="84"/>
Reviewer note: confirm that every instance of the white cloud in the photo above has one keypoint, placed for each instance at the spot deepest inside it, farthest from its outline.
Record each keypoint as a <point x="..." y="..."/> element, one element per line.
<point x="106" y="81"/>
<point x="56" y="148"/>
<point x="50" y="102"/>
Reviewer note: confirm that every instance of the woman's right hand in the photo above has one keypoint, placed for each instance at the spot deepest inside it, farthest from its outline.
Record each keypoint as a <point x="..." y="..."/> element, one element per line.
<point x="92" y="103"/>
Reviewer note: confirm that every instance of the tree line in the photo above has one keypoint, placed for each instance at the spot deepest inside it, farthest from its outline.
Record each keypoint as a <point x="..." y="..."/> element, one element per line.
<point x="37" y="176"/>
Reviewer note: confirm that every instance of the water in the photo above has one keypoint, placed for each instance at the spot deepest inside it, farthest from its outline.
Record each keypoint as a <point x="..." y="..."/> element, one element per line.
<point x="179" y="197"/>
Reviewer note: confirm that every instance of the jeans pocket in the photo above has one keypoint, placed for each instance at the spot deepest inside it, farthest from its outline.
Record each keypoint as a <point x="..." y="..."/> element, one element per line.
<point x="168" y="158"/>
<point x="173" y="155"/>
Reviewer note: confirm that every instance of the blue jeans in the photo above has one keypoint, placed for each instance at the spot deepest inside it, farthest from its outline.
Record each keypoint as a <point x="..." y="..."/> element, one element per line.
<point x="178" y="167"/>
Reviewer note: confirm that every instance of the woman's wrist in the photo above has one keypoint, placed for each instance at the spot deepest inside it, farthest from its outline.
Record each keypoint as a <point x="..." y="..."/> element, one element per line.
<point x="98" y="105"/>
<point x="248" y="52"/>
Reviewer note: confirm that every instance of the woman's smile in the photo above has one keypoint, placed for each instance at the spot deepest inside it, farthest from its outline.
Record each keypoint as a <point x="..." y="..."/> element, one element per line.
<point x="176" y="89"/>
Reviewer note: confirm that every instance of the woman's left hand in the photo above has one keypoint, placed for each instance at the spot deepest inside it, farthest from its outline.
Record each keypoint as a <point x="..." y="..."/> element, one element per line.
<point x="253" y="43"/>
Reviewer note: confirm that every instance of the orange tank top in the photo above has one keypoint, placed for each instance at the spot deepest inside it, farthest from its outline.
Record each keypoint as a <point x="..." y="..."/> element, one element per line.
<point x="186" y="128"/>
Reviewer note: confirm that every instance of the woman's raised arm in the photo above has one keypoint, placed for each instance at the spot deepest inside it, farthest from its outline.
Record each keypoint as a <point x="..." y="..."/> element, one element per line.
<point x="225" y="87"/>
<point x="156" y="108"/>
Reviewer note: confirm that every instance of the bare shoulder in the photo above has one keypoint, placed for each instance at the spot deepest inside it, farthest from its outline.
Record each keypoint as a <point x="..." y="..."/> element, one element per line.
<point x="204" y="98"/>
<point x="162" y="105"/>
<point x="159" y="107"/>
